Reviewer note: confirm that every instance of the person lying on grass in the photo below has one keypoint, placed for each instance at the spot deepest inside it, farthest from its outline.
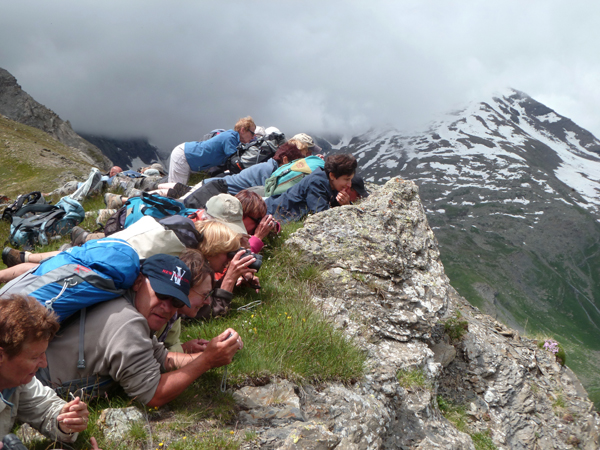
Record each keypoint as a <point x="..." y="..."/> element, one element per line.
<point x="219" y="247"/>
<point x="120" y="348"/>
<point x="253" y="176"/>
<point x="316" y="191"/>
<point x="26" y="327"/>
<point x="218" y="242"/>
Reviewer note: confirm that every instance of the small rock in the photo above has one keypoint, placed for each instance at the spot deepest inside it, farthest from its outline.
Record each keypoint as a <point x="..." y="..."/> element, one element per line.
<point x="116" y="422"/>
<point x="444" y="353"/>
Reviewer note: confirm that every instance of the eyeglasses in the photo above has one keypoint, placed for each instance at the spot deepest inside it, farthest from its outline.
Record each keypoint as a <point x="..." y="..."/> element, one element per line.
<point x="252" y="132"/>
<point x="174" y="301"/>
<point x="205" y="296"/>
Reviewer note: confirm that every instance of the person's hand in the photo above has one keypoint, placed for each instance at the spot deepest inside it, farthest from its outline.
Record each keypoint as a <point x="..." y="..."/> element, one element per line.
<point x="249" y="280"/>
<point x="267" y="225"/>
<point x="194" y="346"/>
<point x="343" y="198"/>
<point x="237" y="267"/>
<point x="221" y="349"/>
<point x="73" y="416"/>
<point x="94" y="444"/>
<point x="321" y="156"/>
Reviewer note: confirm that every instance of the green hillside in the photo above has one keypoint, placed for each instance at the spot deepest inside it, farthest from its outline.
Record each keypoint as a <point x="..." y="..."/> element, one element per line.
<point x="32" y="160"/>
<point x="540" y="294"/>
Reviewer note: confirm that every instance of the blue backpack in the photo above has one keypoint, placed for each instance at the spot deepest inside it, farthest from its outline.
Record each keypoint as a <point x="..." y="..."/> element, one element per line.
<point x="97" y="271"/>
<point x="290" y="174"/>
<point x="155" y="206"/>
<point x="69" y="282"/>
<point x="37" y="223"/>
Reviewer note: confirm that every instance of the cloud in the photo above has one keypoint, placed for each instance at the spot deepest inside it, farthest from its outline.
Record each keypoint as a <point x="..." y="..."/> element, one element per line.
<point x="173" y="71"/>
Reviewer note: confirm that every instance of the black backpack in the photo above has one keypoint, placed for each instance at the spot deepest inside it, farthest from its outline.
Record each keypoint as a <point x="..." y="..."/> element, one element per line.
<point x="33" y="198"/>
<point x="198" y="198"/>
<point x="254" y="152"/>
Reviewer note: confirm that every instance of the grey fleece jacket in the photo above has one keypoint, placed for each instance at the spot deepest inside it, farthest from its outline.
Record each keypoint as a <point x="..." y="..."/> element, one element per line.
<point x="36" y="405"/>
<point x="118" y="343"/>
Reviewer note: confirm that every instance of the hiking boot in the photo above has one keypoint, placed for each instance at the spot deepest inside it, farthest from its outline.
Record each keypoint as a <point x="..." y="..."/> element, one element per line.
<point x="133" y="192"/>
<point x="78" y="236"/>
<point x="113" y="201"/>
<point x="104" y="215"/>
<point x="94" y="236"/>
<point x="12" y="257"/>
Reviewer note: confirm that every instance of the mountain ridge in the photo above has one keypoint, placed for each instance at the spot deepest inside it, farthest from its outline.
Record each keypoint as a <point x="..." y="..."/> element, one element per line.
<point x="18" y="105"/>
<point x="512" y="190"/>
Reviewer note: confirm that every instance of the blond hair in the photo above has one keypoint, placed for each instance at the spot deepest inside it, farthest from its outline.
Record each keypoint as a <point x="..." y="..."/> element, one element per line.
<point x="216" y="238"/>
<point x="246" y="123"/>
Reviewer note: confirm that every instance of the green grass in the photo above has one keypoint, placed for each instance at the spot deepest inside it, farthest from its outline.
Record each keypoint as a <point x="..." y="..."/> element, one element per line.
<point x="284" y="336"/>
<point x="456" y="328"/>
<point x="25" y="161"/>
<point x="413" y="378"/>
<point x="457" y="415"/>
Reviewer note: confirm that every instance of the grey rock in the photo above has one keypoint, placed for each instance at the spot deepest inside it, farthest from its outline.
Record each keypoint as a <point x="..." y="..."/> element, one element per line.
<point x="115" y="423"/>
<point x="276" y="403"/>
<point x="395" y="292"/>
<point x="443" y="353"/>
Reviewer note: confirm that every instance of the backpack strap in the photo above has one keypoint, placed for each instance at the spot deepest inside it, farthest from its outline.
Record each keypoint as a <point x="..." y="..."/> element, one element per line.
<point x="35" y="208"/>
<point x="81" y="360"/>
<point x="163" y="206"/>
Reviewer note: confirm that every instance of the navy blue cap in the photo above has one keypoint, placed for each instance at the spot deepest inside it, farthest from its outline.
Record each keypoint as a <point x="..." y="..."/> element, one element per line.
<point x="169" y="276"/>
<point x="358" y="185"/>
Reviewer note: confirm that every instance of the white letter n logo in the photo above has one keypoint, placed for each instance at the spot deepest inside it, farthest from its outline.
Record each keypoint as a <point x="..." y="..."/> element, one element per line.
<point x="176" y="277"/>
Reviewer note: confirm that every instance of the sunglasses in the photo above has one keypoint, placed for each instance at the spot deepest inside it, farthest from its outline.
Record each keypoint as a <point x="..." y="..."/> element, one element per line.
<point x="174" y="301"/>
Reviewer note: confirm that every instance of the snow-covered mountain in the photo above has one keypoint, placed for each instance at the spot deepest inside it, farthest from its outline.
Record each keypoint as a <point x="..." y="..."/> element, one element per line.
<point x="512" y="191"/>
<point x="493" y="142"/>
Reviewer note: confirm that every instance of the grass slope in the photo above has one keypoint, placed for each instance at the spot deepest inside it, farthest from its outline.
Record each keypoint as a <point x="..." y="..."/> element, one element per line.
<point x="31" y="160"/>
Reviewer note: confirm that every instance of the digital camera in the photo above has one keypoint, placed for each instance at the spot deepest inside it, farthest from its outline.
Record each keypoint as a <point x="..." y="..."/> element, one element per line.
<point x="255" y="265"/>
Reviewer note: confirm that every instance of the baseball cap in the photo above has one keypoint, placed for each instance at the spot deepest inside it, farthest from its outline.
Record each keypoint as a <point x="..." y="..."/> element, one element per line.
<point x="303" y="137"/>
<point x="228" y="210"/>
<point x="358" y="185"/>
<point x="168" y="275"/>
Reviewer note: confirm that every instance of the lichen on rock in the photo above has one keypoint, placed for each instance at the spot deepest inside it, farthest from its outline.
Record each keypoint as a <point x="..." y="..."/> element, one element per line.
<point x="385" y="285"/>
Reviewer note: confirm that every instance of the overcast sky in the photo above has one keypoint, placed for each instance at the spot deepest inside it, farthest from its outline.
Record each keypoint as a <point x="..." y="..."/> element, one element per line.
<point x="172" y="71"/>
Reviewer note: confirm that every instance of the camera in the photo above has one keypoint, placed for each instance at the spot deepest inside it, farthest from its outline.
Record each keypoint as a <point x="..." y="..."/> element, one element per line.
<point x="255" y="265"/>
<point x="12" y="442"/>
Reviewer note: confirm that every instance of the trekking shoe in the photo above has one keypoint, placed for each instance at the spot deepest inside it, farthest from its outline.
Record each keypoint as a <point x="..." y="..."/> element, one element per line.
<point x="133" y="192"/>
<point x="104" y="215"/>
<point x="113" y="201"/>
<point x="12" y="257"/>
<point x="78" y="236"/>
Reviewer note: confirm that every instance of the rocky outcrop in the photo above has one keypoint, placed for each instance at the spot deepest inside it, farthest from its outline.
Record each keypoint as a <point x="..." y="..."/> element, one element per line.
<point x="18" y="105"/>
<point x="394" y="302"/>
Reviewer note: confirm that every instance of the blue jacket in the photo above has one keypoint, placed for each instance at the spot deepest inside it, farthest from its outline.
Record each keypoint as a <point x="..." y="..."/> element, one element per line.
<point x="313" y="194"/>
<point x="252" y="176"/>
<point x="206" y="154"/>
